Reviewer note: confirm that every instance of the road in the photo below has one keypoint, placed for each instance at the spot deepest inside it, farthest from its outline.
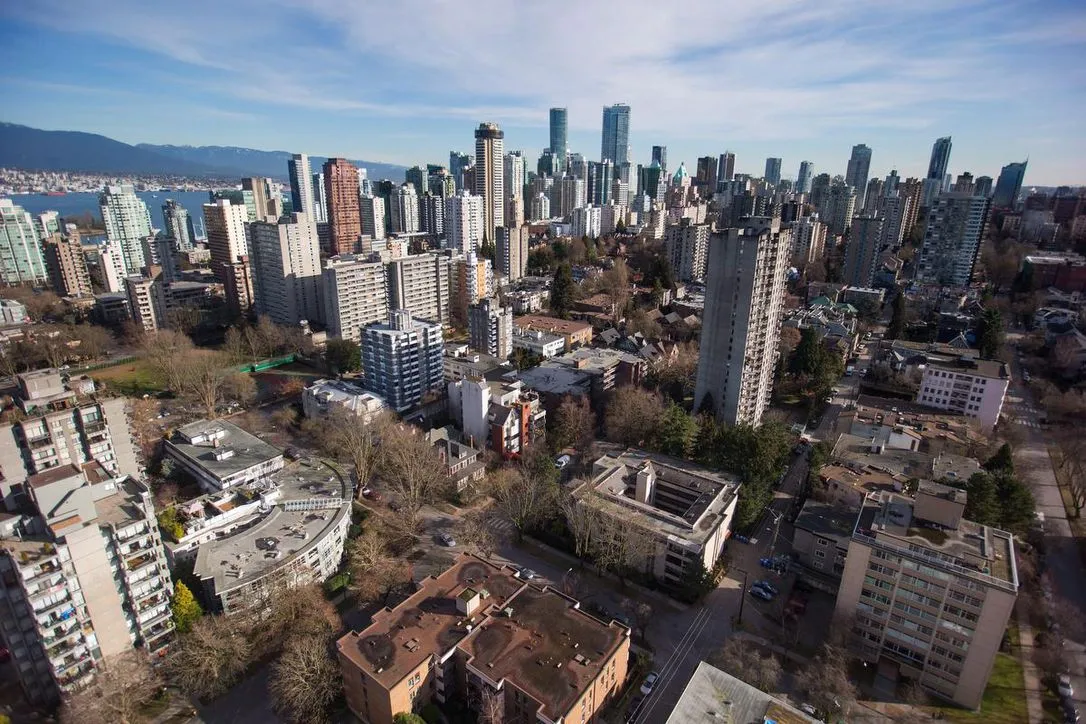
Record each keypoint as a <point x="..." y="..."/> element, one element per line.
<point x="1065" y="568"/>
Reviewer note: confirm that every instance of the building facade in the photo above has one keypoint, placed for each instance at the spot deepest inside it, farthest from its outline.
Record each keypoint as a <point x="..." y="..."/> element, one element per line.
<point x="615" y="145"/>
<point x="401" y="359"/>
<point x="859" y="167"/>
<point x="687" y="246"/>
<point x="127" y="223"/>
<point x="975" y="388"/>
<point x="286" y="270"/>
<point x="421" y="285"/>
<point x="490" y="177"/>
<point x="511" y="252"/>
<point x="952" y="237"/>
<point x="464" y="220"/>
<point x="490" y="328"/>
<point x="341" y="193"/>
<point x="862" y="251"/>
<point x="301" y="186"/>
<point x="355" y="295"/>
<point x="178" y="225"/>
<point x="20" y="251"/>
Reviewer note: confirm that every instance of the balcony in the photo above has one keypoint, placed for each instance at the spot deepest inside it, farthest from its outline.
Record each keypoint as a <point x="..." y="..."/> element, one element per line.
<point x="136" y="564"/>
<point x="73" y="673"/>
<point x="43" y="606"/>
<point x="40" y="572"/>
<point x="156" y="620"/>
<point x="156" y="587"/>
<point x="127" y="552"/>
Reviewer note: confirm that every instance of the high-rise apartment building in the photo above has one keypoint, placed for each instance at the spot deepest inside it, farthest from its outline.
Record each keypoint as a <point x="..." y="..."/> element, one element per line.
<point x="511" y="252"/>
<point x="955" y="228"/>
<point x="615" y="144"/>
<point x="227" y="244"/>
<point x="894" y="212"/>
<point x="342" y="195"/>
<point x="490" y="328"/>
<point x="401" y="359"/>
<point x="859" y="167"/>
<point x="571" y="195"/>
<point x="659" y="155"/>
<point x="146" y="302"/>
<point x="301" y="186"/>
<point x="471" y="278"/>
<point x="420" y="285"/>
<point x="20" y="253"/>
<point x="464" y="219"/>
<point x="419" y="177"/>
<point x="687" y="245"/>
<point x="286" y="270"/>
<point x="257" y="193"/>
<point x="514" y="178"/>
<point x="1009" y="185"/>
<point x="490" y="177"/>
<point x="355" y="295"/>
<point x="372" y="209"/>
<point x="705" y="176"/>
<point x="872" y="197"/>
<point x="743" y="304"/>
<point x="178" y="225"/>
<point x="808" y="240"/>
<point x="862" y="250"/>
<point x="127" y="223"/>
<point x="539" y="207"/>
<point x="458" y="164"/>
<point x="983" y="186"/>
<point x="559" y="128"/>
<point x="320" y="198"/>
<point x="585" y="222"/>
<point x="806" y="175"/>
<point x="431" y="214"/>
<point x="601" y="177"/>
<point x="726" y="167"/>
<point x="940" y="160"/>
<point x="934" y="608"/>
<point x="773" y="171"/>
<point x="404" y="210"/>
<point x="66" y="266"/>
<point x="839" y="207"/>
<point x="913" y="190"/>
<point x="110" y="270"/>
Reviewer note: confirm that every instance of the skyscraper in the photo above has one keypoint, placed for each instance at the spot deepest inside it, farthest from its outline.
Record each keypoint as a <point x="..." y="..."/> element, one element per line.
<point x="803" y="180"/>
<point x="490" y="177"/>
<point x="726" y="168"/>
<point x="773" y="171"/>
<point x="373" y="216"/>
<point x="178" y="225"/>
<point x="615" y="144"/>
<point x="862" y="251"/>
<point x="511" y="252"/>
<point x="743" y="303"/>
<point x="859" y="167"/>
<point x="940" y="159"/>
<point x="286" y="268"/>
<point x="404" y="209"/>
<point x="687" y="245"/>
<point x="225" y="226"/>
<point x="490" y="328"/>
<point x="559" y="139"/>
<point x="432" y="214"/>
<point x="515" y="178"/>
<point x="341" y="194"/>
<point x="420" y="284"/>
<point x="464" y="222"/>
<point x="127" y="223"/>
<point x="659" y="155"/>
<point x="258" y="193"/>
<point x="705" y="177"/>
<point x="20" y="253"/>
<point x="600" y="180"/>
<point x="952" y="238"/>
<point x="320" y="200"/>
<point x="1009" y="185"/>
<point x="66" y="265"/>
<point x="983" y="186"/>
<point x="301" y="186"/>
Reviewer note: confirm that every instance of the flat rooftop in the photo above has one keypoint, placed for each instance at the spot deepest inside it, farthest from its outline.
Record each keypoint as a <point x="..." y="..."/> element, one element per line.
<point x="856" y="450"/>
<point x="548" y="648"/>
<point x="715" y="695"/>
<point x="556" y="379"/>
<point x="276" y="537"/>
<point x="974" y="550"/>
<point x="990" y="368"/>
<point x="551" y="324"/>
<point x="827" y="520"/>
<point x="203" y="442"/>
<point x="123" y="507"/>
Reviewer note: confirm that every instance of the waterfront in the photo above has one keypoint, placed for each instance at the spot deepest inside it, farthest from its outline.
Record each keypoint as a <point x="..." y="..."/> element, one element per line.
<point x="81" y="203"/>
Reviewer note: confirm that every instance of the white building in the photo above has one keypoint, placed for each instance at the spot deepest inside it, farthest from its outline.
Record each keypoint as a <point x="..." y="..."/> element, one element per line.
<point x="372" y="210"/>
<point x="228" y="244"/>
<point x="490" y="328"/>
<point x="111" y="266"/>
<point x="355" y="295"/>
<point x="511" y="252"/>
<point x="464" y="222"/>
<point x="420" y="284"/>
<point x="955" y="227"/>
<point x="539" y="207"/>
<point x="743" y="304"/>
<point x="145" y="302"/>
<point x="321" y="397"/>
<point x="220" y="455"/>
<point x="301" y="186"/>
<point x="127" y="222"/>
<point x="808" y="239"/>
<point x="586" y="222"/>
<point x="404" y="210"/>
<point x="538" y="342"/>
<point x="974" y="387"/>
<point x="401" y="360"/>
<point x="286" y="270"/>
<point x="687" y="248"/>
<point x="21" y="259"/>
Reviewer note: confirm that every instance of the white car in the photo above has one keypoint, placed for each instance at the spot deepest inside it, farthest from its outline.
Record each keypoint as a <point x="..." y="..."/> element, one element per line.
<point x="1064" y="686"/>
<point x="650" y="681"/>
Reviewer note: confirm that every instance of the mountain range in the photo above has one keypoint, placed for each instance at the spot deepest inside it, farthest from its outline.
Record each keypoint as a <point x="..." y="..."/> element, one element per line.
<point x="39" y="150"/>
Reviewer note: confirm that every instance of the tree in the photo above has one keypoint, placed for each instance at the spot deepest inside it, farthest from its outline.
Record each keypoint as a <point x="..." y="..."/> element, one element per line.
<point x="743" y="660"/>
<point x="410" y="469"/>
<point x="475" y="533"/>
<point x="525" y="360"/>
<point x="897" y="320"/>
<point x="1002" y="461"/>
<point x="640" y="614"/>
<point x="184" y="319"/>
<point x="676" y="432"/>
<point x="205" y="379"/>
<point x="118" y="694"/>
<point x="573" y="423"/>
<point x="633" y="415"/>
<point x="343" y="355"/>
<point x="407" y="717"/>
<point x="345" y="436"/>
<point x="990" y="333"/>
<point x="826" y="679"/>
<point x="619" y="546"/>
<point x="186" y="609"/>
<point x="211" y="657"/>
<point x="239" y="387"/>
<point x="1017" y="510"/>
<point x="525" y="495"/>
<point x="789" y="340"/>
<point x="582" y="520"/>
<point x="375" y="572"/>
<point x="305" y="680"/>
<point x="562" y="290"/>
<point x="615" y="282"/>
<point x="981" y="504"/>
<point x="168" y="353"/>
<point x="487" y="250"/>
<point x="94" y="341"/>
<point x="299" y="610"/>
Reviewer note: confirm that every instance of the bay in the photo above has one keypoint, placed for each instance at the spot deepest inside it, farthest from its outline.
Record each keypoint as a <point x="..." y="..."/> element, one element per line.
<point x="81" y="203"/>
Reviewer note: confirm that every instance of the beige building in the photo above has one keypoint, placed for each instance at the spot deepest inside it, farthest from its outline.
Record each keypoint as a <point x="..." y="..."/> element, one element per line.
<point x="974" y="387"/>
<point x="354" y="295"/>
<point x="479" y="634"/>
<point x="575" y="333"/>
<point x="929" y="593"/>
<point x="66" y="266"/>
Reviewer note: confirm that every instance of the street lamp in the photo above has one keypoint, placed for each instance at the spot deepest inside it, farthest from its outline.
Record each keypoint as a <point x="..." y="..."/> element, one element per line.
<point x="776" y="529"/>
<point x="742" y="594"/>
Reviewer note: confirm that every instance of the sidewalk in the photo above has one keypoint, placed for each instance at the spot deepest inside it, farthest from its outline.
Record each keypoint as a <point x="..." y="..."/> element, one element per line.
<point x="1031" y="677"/>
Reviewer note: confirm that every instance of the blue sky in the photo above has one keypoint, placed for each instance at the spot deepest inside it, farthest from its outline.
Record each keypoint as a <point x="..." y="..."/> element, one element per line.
<point x="405" y="81"/>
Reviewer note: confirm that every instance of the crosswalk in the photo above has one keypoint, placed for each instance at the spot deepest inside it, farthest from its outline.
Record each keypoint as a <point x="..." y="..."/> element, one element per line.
<point x="1022" y="414"/>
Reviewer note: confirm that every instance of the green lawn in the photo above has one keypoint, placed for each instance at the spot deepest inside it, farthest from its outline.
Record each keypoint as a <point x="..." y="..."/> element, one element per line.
<point x="130" y="378"/>
<point x="1004" y="699"/>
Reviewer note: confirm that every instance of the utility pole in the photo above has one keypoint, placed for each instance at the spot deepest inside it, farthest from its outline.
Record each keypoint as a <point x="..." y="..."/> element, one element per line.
<point x="776" y="529"/>
<point x="742" y="594"/>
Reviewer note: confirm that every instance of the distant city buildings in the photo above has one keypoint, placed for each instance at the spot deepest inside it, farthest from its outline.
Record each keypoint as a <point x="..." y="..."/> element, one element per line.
<point x="128" y="223"/>
<point x="341" y="192"/>
<point x="859" y="167"/>
<point x="1009" y="185"/>
<point x="773" y="171"/>
<point x="955" y="228"/>
<point x="286" y="270"/>
<point x="490" y="177"/>
<point x="615" y="146"/>
<point x="21" y="259"/>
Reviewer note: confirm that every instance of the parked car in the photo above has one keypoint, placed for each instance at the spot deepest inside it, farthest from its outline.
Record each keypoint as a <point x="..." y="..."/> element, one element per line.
<point x="1063" y="686"/>
<point x="370" y="494"/>
<point x="650" y="681"/>
<point x="767" y="586"/>
<point x="761" y="593"/>
<point x="446" y="540"/>
<point x="562" y="461"/>
<point x="526" y="573"/>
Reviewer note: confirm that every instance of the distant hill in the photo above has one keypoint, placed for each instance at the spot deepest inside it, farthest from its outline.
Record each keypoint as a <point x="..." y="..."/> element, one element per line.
<point x="263" y="163"/>
<point x="33" y="148"/>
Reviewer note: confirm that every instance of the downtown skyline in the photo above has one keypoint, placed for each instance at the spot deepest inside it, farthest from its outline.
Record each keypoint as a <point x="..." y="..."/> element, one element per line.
<point x="892" y="82"/>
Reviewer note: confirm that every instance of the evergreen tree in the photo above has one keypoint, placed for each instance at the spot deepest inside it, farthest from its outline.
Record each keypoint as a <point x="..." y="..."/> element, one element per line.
<point x="1002" y="461"/>
<point x="982" y="505"/>
<point x="897" y="321"/>
<point x="343" y="355"/>
<point x="186" y="609"/>
<point x="562" y="291"/>
<point x="990" y="333"/>
<point x="676" y="433"/>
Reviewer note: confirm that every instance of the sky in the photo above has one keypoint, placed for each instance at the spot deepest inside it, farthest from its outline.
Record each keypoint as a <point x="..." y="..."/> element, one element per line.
<point x="406" y="81"/>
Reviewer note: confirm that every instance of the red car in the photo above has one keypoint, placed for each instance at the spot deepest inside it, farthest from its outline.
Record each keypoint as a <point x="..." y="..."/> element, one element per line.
<point x="371" y="494"/>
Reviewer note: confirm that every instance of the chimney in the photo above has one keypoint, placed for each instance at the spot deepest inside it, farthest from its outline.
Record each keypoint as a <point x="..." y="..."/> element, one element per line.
<point x="646" y="483"/>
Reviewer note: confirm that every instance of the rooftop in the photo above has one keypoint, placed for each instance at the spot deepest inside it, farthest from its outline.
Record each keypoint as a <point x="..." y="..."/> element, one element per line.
<point x="221" y="448"/>
<point x="551" y="324"/>
<point x="715" y="695"/>
<point x="556" y="379"/>
<point x="827" y="520"/>
<point x="123" y="507"/>
<point x="990" y="368"/>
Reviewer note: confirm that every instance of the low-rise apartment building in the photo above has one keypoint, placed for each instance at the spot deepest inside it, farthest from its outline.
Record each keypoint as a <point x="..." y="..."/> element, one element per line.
<point x="538" y="342"/>
<point x="220" y="455"/>
<point x="576" y="334"/>
<point x="973" y="387"/>
<point x="478" y="634"/>
<point x="324" y="396"/>
<point x="928" y="592"/>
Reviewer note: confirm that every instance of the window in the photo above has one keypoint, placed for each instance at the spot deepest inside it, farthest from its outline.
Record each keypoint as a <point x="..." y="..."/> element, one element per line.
<point x="823" y="542"/>
<point x="820" y="554"/>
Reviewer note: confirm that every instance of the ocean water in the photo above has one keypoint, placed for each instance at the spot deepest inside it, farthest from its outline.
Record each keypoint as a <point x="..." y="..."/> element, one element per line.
<point x="75" y="204"/>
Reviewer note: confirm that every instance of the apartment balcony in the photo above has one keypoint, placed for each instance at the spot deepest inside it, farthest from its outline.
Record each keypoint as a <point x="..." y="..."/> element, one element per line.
<point x="42" y="606"/>
<point x="133" y="535"/>
<point x="74" y="673"/>
<point x="158" y="619"/>
<point x="130" y="553"/>
<point x="63" y="647"/>
<point x="37" y="443"/>
<point x="145" y="558"/>
<point x="156" y="587"/>
<point x="61" y="630"/>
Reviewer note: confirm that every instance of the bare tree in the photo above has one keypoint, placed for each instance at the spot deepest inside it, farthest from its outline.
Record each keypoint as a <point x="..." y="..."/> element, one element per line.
<point x="742" y="658"/>
<point x="826" y="680"/>
<point x="300" y="611"/>
<point x="633" y="415"/>
<point x="1071" y="461"/>
<point x="524" y="496"/>
<point x="475" y="532"/>
<point x="120" y="690"/>
<point x="640" y="613"/>
<point x="618" y="545"/>
<point x="183" y="319"/>
<point x="410" y="469"/>
<point x="94" y="341"/>
<point x="375" y="572"/>
<point x="207" y="378"/>
<point x="344" y="436"/>
<point x="582" y="520"/>
<point x="574" y="424"/>
<point x="491" y="707"/>
<point x="167" y="352"/>
<point x="211" y="658"/>
<point x="305" y="680"/>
